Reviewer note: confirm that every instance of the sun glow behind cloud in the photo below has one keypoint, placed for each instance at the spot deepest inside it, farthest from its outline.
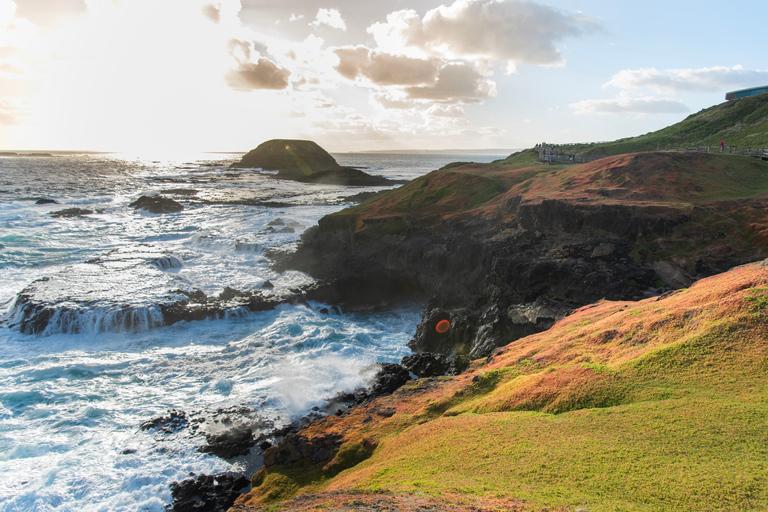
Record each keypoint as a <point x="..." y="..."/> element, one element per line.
<point x="175" y="75"/>
<point x="146" y="75"/>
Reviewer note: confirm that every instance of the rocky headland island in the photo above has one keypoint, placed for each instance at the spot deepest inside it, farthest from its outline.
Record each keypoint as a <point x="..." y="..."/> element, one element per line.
<point x="306" y="161"/>
<point x="593" y="338"/>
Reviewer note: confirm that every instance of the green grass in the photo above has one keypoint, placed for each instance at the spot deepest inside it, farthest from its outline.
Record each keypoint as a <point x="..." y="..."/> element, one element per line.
<point x="742" y="123"/>
<point x="610" y="410"/>
<point x="687" y="433"/>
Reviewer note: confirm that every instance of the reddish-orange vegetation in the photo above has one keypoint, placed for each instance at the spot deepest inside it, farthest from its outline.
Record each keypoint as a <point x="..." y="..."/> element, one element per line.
<point x="650" y="405"/>
<point x="348" y="501"/>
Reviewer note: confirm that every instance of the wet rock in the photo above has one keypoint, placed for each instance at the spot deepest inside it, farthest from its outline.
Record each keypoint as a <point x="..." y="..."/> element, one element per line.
<point x="207" y="493"/>
<point x="172" y="422"/>
<point x="201" y="307"/>
<point x="295" y="447"/>
<point x="230" y="443"/>
<point x="44" y="200"/>
<point x="71" y="212"/>
<point x="388" y="377"/>
<point x="157" y="204"/>
<point x="243" y="245"/>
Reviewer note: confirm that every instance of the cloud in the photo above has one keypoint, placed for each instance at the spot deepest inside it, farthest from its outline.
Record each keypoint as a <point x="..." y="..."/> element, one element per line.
<point x="385" y="69"/>
<point x="12" y="112"/>
<point x="14" y="32"/>
<point x="631" y="105"/>
<point x="253" y="71"/>
<point x="391" y="101"/>
<point x="714" y="79"/>
<point x="262" y="74"/>
<point x="452" y="111"/>
<point x="330" y="17"/>
<point x="511" y="31"/>
<point x="456" y="83"/>
<point x="11" y="69"/>
<point x="212" y="12"/>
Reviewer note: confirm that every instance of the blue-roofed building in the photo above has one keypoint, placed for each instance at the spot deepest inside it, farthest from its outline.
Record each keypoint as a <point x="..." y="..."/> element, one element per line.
<point x="734" y="95"/>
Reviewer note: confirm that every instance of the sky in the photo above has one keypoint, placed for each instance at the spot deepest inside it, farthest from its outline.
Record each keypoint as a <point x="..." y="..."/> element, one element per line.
<point x="357" y="75"/>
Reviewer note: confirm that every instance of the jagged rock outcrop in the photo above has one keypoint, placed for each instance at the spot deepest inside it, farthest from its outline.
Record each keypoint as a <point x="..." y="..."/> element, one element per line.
<point x="157" y="204"/>
<point x="505" y="252"/>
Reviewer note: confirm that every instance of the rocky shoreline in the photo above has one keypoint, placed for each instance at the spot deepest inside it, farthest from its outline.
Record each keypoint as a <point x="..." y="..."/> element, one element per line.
<point x="498" y="274"/>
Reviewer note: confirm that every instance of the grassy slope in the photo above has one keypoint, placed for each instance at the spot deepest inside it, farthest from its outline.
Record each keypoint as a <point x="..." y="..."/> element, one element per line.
<point x="648" y="406"/>
<point x="742" y="122"/>
<point x="700" y="184"/>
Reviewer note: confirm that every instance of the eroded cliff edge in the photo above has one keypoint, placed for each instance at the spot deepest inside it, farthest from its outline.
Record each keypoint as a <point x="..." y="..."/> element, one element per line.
<point x="504" y="251"/>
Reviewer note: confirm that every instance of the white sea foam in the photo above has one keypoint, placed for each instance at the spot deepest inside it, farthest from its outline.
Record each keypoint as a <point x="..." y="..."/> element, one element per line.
<point x="71" y="404"/>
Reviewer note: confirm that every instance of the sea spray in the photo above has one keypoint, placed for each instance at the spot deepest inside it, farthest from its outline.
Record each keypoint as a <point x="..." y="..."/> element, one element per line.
<point x="74" y="396"/>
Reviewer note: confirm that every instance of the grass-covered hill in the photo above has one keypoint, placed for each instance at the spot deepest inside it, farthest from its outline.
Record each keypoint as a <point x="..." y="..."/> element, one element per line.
<point x="723" y="195"/>
<point x="742" y="122"/>
<point x="655" y="405"/>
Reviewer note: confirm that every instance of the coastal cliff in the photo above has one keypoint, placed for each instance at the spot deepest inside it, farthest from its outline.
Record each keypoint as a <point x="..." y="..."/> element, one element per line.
<point x="655" y="404"/>
<point x="608" y="336"/>
<point x="504" y="251"/>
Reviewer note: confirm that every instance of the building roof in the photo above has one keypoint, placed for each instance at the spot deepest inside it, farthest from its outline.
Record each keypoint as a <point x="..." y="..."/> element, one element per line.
<point x="746" y="92"/>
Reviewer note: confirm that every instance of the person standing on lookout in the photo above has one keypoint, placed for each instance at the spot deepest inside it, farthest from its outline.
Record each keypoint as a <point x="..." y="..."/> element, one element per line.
<point x="722" y="146"/>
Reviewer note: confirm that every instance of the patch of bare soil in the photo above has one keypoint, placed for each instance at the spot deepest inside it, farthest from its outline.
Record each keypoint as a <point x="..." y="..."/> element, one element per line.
<point x="348" y="501"/>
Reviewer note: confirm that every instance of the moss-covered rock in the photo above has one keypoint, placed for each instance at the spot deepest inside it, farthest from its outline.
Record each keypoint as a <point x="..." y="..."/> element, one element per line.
<point x="293" y="158"/>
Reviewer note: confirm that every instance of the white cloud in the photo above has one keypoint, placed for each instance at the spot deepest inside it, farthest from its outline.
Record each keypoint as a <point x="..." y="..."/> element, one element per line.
<point x="13" y="112"/>
<point x="14" y="32"/>
<point x="391" y="100"/>
<point x="511" y="31"/>
<point x="262" y="74"/>
<point x="330" y="17"/>
<point x="714" y="79"/>
<point x="403" y="81"/>
<point x="11" y="69"/>
<point x="384" y="68"/>
<point x="453" y="111"/>
<point x="253" y="70"/>
<point x="625" y="104"/>
<point x="456" y="83"/>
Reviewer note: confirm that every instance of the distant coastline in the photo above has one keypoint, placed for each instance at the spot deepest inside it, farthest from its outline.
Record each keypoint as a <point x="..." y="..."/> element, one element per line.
<point x="487" y="151"/>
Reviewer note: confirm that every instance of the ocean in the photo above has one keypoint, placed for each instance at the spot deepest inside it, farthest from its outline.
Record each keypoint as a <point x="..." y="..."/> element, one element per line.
<point x="73" y="397"/>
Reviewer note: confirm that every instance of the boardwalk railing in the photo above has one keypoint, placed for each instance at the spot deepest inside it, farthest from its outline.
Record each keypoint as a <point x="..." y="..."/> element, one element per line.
<point x="549" y="153"/>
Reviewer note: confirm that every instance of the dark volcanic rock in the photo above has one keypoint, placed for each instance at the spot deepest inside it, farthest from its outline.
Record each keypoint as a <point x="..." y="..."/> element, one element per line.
<point x="46" y="201"/>
<point x="207" y="493"/>
<point x="174" y="421"/>
<point x="72" y="212"/>
<point x="157" y="204"/>
<point x="295" y="447"/>
<point x="388" y="377"/>
<point x="486" y="281"/>
<point x="230" y="443"/>
<point x="428" y="364"/>
<point x="347" y="176"/>
<point x="293" y="158"/>
<point x="201" y="307"/>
